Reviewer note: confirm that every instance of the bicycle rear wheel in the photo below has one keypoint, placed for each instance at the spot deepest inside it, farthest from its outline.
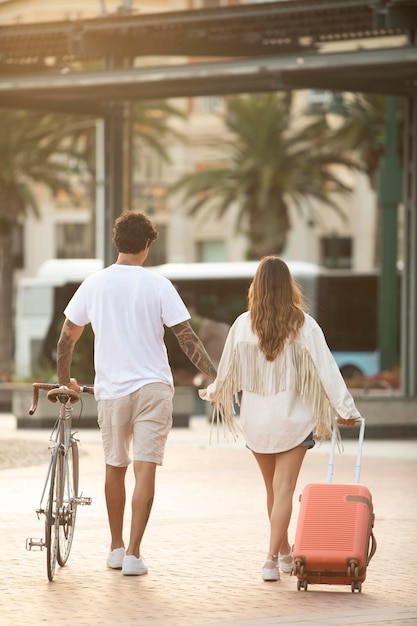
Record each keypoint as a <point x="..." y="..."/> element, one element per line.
<point x="68" y="470"/>
<point x="52" y="516"/>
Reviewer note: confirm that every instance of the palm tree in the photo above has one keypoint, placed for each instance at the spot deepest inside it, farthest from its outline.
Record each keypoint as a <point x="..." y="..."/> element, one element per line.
<point x="32" y="151"/>
<point x="151" y="124"/>
<point x="148" y="125"/>
<point x="267" y="165"/>
<point x="363" y="131"/>
<point x="43" y="148"/>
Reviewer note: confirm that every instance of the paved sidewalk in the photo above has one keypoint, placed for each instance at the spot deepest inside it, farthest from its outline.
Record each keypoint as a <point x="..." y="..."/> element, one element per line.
<point x="205" y="542"/>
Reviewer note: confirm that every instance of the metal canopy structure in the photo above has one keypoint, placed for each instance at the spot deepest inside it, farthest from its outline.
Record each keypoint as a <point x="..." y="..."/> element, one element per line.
<point x="95" y="66"/>
<point x="257" y="47"/>
<point x="391" y="71"/>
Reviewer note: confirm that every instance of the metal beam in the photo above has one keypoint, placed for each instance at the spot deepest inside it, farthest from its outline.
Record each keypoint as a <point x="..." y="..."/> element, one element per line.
<point x="391" y="71"/>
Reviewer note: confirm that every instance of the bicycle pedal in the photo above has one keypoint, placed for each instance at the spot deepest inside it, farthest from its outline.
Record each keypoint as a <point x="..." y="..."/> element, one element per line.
<point x="37" y="544"/>
<point x="83" y="500"/>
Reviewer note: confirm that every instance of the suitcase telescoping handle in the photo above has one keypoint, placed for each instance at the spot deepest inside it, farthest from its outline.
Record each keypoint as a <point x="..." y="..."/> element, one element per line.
<point x="358" y="458"/>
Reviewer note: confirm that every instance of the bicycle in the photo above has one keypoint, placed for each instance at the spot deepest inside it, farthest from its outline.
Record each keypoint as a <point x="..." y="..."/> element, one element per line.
<point x="60" y="496"/>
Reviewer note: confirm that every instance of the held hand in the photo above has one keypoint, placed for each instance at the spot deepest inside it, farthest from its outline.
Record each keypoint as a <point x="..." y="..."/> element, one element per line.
<point x="352" y="421"/>
<point x="205" y="396"/>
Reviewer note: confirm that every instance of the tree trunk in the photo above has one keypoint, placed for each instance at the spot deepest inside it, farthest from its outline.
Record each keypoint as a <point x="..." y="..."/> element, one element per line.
<point x="268" y="230"/>
<point x="6" y="304"/>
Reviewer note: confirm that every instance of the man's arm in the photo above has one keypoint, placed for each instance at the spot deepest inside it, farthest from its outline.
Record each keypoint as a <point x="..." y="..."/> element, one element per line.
<point x="193" y="348"/>
<point x="70" y="334"/>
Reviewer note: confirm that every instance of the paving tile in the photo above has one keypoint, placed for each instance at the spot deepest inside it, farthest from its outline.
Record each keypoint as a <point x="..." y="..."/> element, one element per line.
<point x="205" y="542"/>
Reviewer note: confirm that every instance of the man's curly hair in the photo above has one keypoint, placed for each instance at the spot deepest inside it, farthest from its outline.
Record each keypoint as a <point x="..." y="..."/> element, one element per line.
<point x="132" y="232"/>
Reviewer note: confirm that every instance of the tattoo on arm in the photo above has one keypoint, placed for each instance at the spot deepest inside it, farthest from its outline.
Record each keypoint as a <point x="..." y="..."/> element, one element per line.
<point x="192" y="346"/>
<point x="65" y="349"/>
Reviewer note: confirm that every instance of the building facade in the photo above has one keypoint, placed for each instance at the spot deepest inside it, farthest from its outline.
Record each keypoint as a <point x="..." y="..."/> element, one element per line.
<point x="68" y="231"/>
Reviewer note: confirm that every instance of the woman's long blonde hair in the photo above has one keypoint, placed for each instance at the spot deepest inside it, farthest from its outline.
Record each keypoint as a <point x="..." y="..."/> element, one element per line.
<point x="276" y="306"/>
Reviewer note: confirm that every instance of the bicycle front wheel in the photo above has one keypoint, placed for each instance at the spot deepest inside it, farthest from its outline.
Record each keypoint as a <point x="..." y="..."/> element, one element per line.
<point x="52" y="516"/>
<point x="68" y="471"/>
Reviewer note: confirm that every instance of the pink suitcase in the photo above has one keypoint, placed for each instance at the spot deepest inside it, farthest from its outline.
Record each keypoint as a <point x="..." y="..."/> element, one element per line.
<point x="334" y="541"/>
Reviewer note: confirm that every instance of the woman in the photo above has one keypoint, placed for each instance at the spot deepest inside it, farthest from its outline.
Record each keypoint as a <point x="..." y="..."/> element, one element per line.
<point x="292" y="393"/>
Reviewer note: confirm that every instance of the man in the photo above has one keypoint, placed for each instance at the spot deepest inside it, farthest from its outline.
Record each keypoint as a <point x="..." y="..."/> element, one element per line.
<point x="128" y="307"/>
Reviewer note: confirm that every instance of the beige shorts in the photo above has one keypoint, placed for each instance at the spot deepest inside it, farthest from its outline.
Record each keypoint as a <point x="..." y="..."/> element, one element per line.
<point x="144" y="416"/>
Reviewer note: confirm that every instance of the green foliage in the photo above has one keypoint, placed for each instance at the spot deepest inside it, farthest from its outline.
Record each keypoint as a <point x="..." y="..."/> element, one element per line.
<point x="268" y="163"/>
<point x="363" y="130"/>
<point x="34" y="149"/>
<point x="46" y="148"/>
<point x="151" y="124"/>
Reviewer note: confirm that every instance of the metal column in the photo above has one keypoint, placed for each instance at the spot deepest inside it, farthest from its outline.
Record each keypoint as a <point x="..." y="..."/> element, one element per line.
<point x="389" y="197"/>
<point x="409" y="279"/>
<point x="114" y="149"/>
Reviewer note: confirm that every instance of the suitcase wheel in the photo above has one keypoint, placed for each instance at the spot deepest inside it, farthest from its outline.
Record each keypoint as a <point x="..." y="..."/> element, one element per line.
<point x="356" y="584"/>
<point x="353" y="568"/>
<point x="302" y="584"/>
<point x="299" y="566"/>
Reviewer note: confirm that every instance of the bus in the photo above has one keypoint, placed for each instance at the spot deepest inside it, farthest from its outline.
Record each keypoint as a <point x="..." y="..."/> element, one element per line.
<point x="40" y="301"/>
<point x="344" y="303"/>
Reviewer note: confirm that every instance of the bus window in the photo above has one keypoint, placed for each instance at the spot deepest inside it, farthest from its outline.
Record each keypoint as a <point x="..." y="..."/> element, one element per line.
<point x="344" y="303"/>
<point x="347" y="306"/>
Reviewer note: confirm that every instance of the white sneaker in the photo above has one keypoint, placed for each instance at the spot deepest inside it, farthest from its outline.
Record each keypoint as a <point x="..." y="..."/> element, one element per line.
<point x="286" y="562"/>
<point x="133" y="566"/>
<point x="115" y="558"/>
<point x="270" y="571"/>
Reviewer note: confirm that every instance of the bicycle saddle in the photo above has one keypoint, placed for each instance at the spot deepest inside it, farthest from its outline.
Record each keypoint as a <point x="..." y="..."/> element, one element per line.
<point x="63" y="394"/>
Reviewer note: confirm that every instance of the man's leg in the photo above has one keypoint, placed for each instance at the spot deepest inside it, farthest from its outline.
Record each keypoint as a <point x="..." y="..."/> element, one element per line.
<point x="115" y="493"/>
<point x="142" y="501"/>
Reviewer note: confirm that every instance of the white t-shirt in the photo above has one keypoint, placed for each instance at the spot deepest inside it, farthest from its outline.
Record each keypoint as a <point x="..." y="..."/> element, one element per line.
<point x="127" y="307"/>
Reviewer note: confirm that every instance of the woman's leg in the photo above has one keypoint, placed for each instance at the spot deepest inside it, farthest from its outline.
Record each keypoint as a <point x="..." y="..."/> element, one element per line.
<point x="280" y="472"/>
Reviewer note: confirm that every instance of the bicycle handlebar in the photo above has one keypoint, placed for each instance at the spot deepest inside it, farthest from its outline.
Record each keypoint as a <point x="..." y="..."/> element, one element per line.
<point x="57" y="392"/>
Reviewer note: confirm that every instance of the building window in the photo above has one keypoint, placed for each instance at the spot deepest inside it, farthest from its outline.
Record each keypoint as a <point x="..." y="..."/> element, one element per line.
<point x="212" y="104"/>
<point x="318" y="102"/>
<point x="336" y="252"/>
<point x="211" y="251"/>
<point x="149" y="163"/>
<point x="73" y="241"/>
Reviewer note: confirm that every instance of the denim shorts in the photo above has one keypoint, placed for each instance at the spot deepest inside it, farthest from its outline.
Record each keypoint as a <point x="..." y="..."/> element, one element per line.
<point x="308" y="442"/>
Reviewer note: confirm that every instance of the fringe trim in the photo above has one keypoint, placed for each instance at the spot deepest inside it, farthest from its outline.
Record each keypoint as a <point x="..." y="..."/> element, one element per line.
<point x="310" y="387"/>
<point x="250" y="371"/>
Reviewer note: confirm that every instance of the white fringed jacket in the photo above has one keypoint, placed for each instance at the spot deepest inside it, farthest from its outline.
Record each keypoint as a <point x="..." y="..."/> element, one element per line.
<point x="283" y="400"/>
